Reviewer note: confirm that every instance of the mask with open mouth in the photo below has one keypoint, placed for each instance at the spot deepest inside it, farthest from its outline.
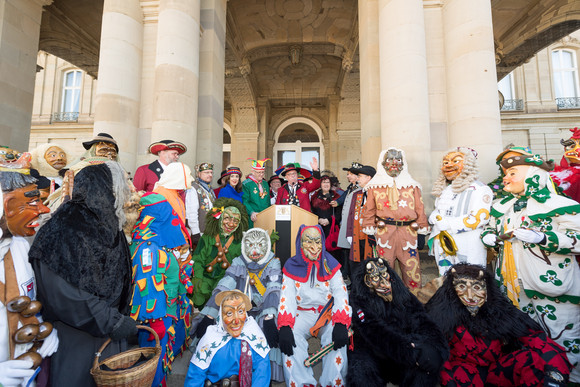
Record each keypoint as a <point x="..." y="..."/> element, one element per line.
<point x="22" y="208"/>
<point x="472" y="292"/>
<point x="377" y="279"/>
<point x="255" y="244"/>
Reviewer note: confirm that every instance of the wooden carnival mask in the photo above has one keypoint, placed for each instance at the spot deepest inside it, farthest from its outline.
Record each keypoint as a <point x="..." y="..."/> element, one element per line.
<point x="255" y="244"/>
<point x="234" y="314"/>
<point x="55" y="157"/>
<point x="393" y="162"/>
<point x="377" y="279"/>
<point x="472" y="292"/>
<point x="311" y="243"/>
<point x="105" y="149"/>
<point x="230" y="220"/>
<point x="514" y="179"/>
<point x="22" y="207"/>
<point x="572" y="147"/>
<point x="452" y="165"/>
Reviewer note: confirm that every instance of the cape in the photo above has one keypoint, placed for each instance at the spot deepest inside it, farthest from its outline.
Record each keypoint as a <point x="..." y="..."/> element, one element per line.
<point x="82" y="242"/>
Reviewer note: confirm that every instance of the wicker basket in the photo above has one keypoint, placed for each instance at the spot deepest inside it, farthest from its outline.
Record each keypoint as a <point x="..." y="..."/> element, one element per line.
<point x="141" y="375"/>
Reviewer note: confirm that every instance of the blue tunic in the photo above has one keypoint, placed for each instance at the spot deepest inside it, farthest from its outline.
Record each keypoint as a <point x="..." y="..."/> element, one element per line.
<point x="225" y="363"/>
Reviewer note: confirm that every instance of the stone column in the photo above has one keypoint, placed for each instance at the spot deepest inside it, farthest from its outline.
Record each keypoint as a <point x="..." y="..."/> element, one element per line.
<point x="211" y="82"/>
<point x="118" y="87"/>
<point x="177" y="75"/>
<point x="472" y="98"/>
<point x="403" y="82"/>
<point x="370" y="105"/>
<point x="19" y="35"/>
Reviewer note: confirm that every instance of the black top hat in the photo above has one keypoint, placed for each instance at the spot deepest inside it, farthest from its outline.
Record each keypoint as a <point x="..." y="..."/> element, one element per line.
<point x="365" y="170"/>
<point x="353" y="166"/>
<point x="101" y="137"/>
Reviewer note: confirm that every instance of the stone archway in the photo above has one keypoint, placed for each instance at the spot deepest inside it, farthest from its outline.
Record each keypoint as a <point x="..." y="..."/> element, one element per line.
<point x="298" y="139"/>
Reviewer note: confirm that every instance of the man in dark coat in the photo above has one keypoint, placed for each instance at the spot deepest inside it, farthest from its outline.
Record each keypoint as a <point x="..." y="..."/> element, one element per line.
<point x="83" y="271"/>
<point x="492" y="342"/>
<point x="394" y="339"/>
<point x="167" y="151"/>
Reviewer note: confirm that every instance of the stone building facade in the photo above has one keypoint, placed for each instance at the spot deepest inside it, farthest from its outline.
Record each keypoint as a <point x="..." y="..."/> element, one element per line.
<point x="344" y="78"/>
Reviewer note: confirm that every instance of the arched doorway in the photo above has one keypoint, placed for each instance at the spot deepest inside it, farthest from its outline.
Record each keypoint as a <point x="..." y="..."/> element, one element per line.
<point x="298" y="140"/>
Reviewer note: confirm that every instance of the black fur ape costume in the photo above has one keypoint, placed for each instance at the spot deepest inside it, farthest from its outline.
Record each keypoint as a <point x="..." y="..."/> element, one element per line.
<point x="394" y="341"/>
<point x="499" y="345"/>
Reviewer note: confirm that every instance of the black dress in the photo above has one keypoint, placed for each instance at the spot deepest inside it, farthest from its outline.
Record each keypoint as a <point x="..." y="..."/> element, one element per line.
<point x="83" y="272"/>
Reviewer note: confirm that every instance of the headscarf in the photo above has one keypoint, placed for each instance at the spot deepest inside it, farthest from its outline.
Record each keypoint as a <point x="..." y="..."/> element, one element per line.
<point x="299" y="267"/>
<point x="217" y="336"/>
<point x="82" y="242"/>
<point x="382" y="178"/>
<point x="39" y="163"/>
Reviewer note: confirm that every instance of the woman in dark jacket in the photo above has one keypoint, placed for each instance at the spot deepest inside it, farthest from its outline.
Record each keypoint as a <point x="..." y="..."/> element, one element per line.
<point x="83" y="272"/>
<point x="323" y="204"/>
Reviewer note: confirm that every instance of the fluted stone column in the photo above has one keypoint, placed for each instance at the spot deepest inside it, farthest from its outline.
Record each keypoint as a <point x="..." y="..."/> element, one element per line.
<point x="119" y="85"/>
<point x="177" y="75"/>
<point x="472" y="99"/>
<point x="211" y="82"/>
<point x="370" y="105"/>
<point x="19" y="34"/>
<point x="403" y="80"/>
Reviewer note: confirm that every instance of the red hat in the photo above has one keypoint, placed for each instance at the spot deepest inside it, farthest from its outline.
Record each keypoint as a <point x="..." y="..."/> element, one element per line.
<point x="159" y="146"/>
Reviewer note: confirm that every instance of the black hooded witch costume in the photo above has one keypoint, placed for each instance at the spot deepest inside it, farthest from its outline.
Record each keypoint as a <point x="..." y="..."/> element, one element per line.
<point x="499" y="345"/>
<point x="394" y="341"/>
<point x="83" y="272"/>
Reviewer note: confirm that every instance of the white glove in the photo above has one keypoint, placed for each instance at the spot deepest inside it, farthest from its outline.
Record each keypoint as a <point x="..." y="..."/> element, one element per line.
<point x="423" y="231"/>
<point x="529" y="236"/>
<point x="369" y="230"/>
<point x="490" y="239"/>
<point x="349" y="240"/>
<point x="15" y="372"/>
<point x="442" y="225"/>
<point x="49" y="345"/>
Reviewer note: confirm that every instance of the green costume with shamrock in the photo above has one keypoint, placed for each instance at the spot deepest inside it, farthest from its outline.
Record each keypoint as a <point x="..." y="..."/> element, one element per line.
<point x="538" y="234"/>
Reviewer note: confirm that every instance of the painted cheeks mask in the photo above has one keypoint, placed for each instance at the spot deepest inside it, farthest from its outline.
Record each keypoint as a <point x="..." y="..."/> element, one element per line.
<point x="472" y="292"/>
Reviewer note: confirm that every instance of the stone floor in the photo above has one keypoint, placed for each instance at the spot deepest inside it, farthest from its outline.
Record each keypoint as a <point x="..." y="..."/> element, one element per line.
<point x="177" y="377"/>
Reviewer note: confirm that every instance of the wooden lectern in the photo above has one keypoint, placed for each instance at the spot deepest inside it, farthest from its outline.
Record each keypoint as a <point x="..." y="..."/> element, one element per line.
<point x="286" y="219"/>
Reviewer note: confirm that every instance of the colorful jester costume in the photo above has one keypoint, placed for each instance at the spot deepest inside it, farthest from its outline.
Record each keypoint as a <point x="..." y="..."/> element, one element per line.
<point x="541" y="276"/>
<point x="217" y="247"/>
<point x="161" y="280"/>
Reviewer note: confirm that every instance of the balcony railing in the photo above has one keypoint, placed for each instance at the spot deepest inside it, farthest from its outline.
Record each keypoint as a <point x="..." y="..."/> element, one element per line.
<point x="568" y="103"/>
<point x="65" y="117"/>
<point x="512" y="105"/>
